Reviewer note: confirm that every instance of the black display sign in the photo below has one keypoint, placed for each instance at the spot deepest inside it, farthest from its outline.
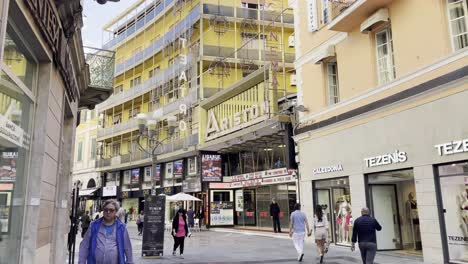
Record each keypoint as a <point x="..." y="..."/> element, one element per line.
<point x="153" y="227"/>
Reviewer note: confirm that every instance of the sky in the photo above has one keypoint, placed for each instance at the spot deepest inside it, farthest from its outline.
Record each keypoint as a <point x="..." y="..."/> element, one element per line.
<point x="95" y="16"/>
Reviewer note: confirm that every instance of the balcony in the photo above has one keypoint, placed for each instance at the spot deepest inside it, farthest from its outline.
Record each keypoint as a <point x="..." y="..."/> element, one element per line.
<point x="100" y="64"/>
<point x="141" y="156"/>
<point x="159" y="79"/>
<point x="131" y="124"/>
<point x="247" y="13"/>
<point x="347" y="15"/>
<point x="159" y="43"/>
<point x="250" y="54"/>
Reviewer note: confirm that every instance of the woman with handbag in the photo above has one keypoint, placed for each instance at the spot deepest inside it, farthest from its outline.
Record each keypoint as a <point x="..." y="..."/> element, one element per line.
<point x="320" y="227"/>
<point x="180" y="231"/>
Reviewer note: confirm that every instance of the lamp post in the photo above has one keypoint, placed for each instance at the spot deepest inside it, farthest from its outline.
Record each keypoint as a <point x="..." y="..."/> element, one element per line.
<point x="147" y="126"/>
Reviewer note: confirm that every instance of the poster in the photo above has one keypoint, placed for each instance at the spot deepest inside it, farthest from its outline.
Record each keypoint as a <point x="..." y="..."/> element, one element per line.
<point x="192" y="166"/>
<point x="126" y="178"/>
<point x="135" y="176"/>
<point x="178" y="167"/>
<point x="221" y="213"/>
<point x="153" y="226"/>
<point x="239" y="200"/>
<point x="192" y="184"/>
<point x="157" y="173"/>
<point x="211" y="168"/>
<point x="169" y="171"/>
<point x="147" y="177"/>
<point x="8" y="166"/>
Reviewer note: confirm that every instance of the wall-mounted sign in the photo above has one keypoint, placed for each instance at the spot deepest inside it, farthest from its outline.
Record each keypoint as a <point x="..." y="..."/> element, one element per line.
<point x="386" y="159"/>
<point x="8" y="166"/>
<point x="147" y="175"/>
<point x="453" y="147"/>
<point x="13" y="133"/>
<point x="312" y="21"/>
<point x="252" y="115"/>
<point x="239" y="195"/>
<point x="191" y="184"/>
<point x="211" y="168"/>
<point x="126" y="177"/>
<point x="135" y="176"/>
<point x="192" y="166"/>
<point x="157" y="172"/>
<point x="169" y="170"/>
<point x="109" y="191"/>
<point x="178" y="167"/>
<point x="328" y="169"/>
<point x="221" y="213"/>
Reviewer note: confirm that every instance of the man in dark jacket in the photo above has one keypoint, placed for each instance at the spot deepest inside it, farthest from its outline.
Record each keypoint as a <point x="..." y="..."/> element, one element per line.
<point x="274" y="213"/>
<point x="364" y="232"/>
<point x="85" y="221"/>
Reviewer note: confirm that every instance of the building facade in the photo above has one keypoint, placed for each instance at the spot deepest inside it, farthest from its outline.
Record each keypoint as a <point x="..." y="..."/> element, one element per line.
<point x="384" y="89"/>
<point x="44" y="79"/>
<point x="171" y="55"/>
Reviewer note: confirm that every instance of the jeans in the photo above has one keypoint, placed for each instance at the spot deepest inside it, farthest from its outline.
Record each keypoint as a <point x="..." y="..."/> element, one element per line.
<point x="179" y="241"/>
<point x="276" y="224"/>
<point x="368" y="250"/>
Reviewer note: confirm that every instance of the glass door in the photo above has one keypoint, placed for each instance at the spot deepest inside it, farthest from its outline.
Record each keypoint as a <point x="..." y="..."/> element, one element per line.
<point x="384" y="207"/>
<point x="323" y="199"/>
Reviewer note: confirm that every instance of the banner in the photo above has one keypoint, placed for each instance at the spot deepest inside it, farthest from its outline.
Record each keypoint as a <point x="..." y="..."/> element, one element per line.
<point x="211" y="168"/>
<point x="221" y="213"/>
<point x="153" y="226"/>
<point x="178" y="167"/>
<point x="169" y="171"/>
<point x="147" y="175"/>
<point x="157" y="172"/>
<point x="192" y="166"/>
<point x="135" y="176"/>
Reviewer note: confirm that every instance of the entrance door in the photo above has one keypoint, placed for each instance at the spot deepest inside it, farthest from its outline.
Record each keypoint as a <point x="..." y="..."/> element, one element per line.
<point x="385" y="210"/>
<point x="324" y="200"/>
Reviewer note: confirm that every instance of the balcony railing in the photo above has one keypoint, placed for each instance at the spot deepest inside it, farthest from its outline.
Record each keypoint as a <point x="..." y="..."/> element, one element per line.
<point x="114" y="129"/>
<point x="147" y="19"/>
<point x="139" y="155"/>
<point x="251" y="54"/>
<point x="158" y="79"/>
<point x="339" y="6"/>
<point x="159" y="43"/>
<point x="247" y="13"/>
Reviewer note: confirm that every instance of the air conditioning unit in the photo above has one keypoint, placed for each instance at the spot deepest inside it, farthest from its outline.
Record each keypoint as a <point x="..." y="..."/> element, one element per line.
<point x="293" y="80"/>
<point x="291" y="41"/>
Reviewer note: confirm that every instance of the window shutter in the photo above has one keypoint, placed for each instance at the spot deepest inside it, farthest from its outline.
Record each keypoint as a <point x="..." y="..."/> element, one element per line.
<point x="312" y="22"/>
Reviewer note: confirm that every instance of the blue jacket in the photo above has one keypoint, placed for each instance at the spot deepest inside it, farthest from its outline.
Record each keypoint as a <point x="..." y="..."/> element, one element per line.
<point x="95" y="226"/>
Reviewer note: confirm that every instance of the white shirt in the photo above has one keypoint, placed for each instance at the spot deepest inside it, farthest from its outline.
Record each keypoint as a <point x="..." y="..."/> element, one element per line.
<point x="323" y="223"/>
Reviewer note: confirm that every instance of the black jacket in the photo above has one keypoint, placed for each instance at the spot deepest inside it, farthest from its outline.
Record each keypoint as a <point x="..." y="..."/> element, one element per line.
<point x="364" y="229"/>
<point x="175" y="223"/>
<point x="274" y="209"/>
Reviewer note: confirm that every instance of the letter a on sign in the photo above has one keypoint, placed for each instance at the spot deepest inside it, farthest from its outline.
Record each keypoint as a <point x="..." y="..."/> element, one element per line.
<point x="212" y="126"/>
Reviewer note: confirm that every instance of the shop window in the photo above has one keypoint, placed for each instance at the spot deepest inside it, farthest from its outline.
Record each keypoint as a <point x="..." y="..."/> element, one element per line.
<point x="393" y="202"/>
<point x="332" y="83"/>
<point x="334" y="197"/>
<point x="458" y="22"/>
<point x="453" y="180"/>
<point x="384" y="55"/>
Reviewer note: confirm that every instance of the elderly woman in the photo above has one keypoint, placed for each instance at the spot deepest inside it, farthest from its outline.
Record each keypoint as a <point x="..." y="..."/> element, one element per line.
<point x="107" y="240"/>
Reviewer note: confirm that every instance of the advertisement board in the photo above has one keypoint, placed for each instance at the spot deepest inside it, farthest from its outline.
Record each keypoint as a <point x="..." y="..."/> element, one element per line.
<point x="192" y="166"/>
<point x="157" y="172"/>
<point x="192" y="184"/>
<point x="211" y="168"/>
<point x="135" y="176"/>
<point x="109" y="191"/>
<point x="153" y="226"/>
<point x="8" y="166"/>
<point x="178" y="167"/>
<point x="239" y="200"/>
<point x="169" y="170"/>
<point x="221" y="213"/>
<point x="126" y="177"/>
<point x="147" y="175"/>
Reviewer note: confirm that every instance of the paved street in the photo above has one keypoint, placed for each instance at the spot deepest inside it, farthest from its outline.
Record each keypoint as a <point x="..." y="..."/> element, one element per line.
<point x="232" y="246"/>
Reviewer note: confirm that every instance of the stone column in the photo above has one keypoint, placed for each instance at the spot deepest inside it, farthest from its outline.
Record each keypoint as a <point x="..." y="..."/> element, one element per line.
<point x="428" y="214"/>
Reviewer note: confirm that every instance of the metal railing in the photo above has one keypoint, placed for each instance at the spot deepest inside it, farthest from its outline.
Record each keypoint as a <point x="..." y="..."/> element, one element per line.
<point x="251" y="54"/>
<point x="339" y="6"/>
<point x="114" y="129"/>
<point x="247" y="13"/>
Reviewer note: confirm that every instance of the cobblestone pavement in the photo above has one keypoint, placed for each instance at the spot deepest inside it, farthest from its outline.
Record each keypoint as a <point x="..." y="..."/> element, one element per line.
<point x="249" y="247"/>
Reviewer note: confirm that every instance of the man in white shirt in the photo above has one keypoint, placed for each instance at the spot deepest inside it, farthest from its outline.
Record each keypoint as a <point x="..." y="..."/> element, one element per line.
<point x="298" y="226"/>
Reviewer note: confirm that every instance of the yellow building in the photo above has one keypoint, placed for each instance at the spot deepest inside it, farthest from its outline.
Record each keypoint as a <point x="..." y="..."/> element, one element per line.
<point x="383" y="86"/>
<point x="170" y="56"/>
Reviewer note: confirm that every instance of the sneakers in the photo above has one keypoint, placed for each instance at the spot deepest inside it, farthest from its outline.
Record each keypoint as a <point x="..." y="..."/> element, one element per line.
<point x="300" y="257"/>
<point x="173" y="253"/>
<point x="182" y="255"/>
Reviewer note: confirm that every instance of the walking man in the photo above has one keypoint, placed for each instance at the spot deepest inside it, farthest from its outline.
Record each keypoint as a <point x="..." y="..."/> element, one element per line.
<point x="85" y="221"/>
<point x="274" y="213"/>
<point x="107" y="241"/>
<point x="298" y="226"/>
<point x="364" y="232"/>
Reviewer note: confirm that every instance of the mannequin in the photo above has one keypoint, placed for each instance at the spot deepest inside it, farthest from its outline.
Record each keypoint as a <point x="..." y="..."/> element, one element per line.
<point x="413" y="219"/>
<point x="344" y="215"/>
<point x="463" y="203"/>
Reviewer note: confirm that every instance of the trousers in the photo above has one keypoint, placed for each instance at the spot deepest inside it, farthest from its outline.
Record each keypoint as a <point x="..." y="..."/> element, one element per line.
<point x="179" y="241"/>
<point x="298" y="240"/>
<point x="276" y="224"/>
<point x="368" y="250"/>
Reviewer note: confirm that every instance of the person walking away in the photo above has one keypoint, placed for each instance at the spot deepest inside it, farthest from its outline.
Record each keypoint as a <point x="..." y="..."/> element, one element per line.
<point x="107" y="240"/>
<point x="274" y="213"/>
<point x="85" y="221"/>
<point x="179" y="231"/>
<point x="121" y="215"/>
<point x="190" y="217"/>
<point x="126" y="216"/>
<point x="298" y="225"/>
<point x="140" y="221"/>
<point x="364" y="232"/>
<point x="201" y="216"/>
<point x="320" y="227"/>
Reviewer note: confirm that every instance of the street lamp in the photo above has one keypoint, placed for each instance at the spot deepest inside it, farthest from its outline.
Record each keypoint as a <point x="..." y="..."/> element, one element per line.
<point x="147" y="129"/>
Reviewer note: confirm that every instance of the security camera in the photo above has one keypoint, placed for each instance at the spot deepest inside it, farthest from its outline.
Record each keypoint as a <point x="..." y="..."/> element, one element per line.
<point x="102" y="2"/>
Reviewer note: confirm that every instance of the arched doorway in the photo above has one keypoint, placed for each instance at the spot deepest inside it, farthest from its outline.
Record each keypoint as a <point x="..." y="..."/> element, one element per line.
<point x="91" y="184"/>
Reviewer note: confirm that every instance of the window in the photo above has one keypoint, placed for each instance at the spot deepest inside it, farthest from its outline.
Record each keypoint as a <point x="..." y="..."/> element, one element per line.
<point x="93" y="148"/>
<point x="332" y="83"/>
<point x="117" y="118"/>
<point x="457" y="10"/>
<point x="385" y="63"/>
<point x="135" y="82"/>
<point x="118" y="89"/>
<point x="325" y="14"/>
<point x="80" y="151"/>
<point x="134" y="112"/>
<point x="115" y="149"/>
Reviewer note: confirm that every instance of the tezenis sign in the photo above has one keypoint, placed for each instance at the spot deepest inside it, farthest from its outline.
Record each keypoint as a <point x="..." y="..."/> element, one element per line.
<point x="239" y="120"/>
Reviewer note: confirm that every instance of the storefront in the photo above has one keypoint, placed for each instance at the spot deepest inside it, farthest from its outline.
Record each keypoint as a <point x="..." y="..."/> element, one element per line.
<point x="409" y="169"/>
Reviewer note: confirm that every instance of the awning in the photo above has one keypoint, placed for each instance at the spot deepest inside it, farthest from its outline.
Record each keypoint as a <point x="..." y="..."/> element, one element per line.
<point x="87" y="192"/>
<point x="324" y="54"/>
<point x="380" y="16"/>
